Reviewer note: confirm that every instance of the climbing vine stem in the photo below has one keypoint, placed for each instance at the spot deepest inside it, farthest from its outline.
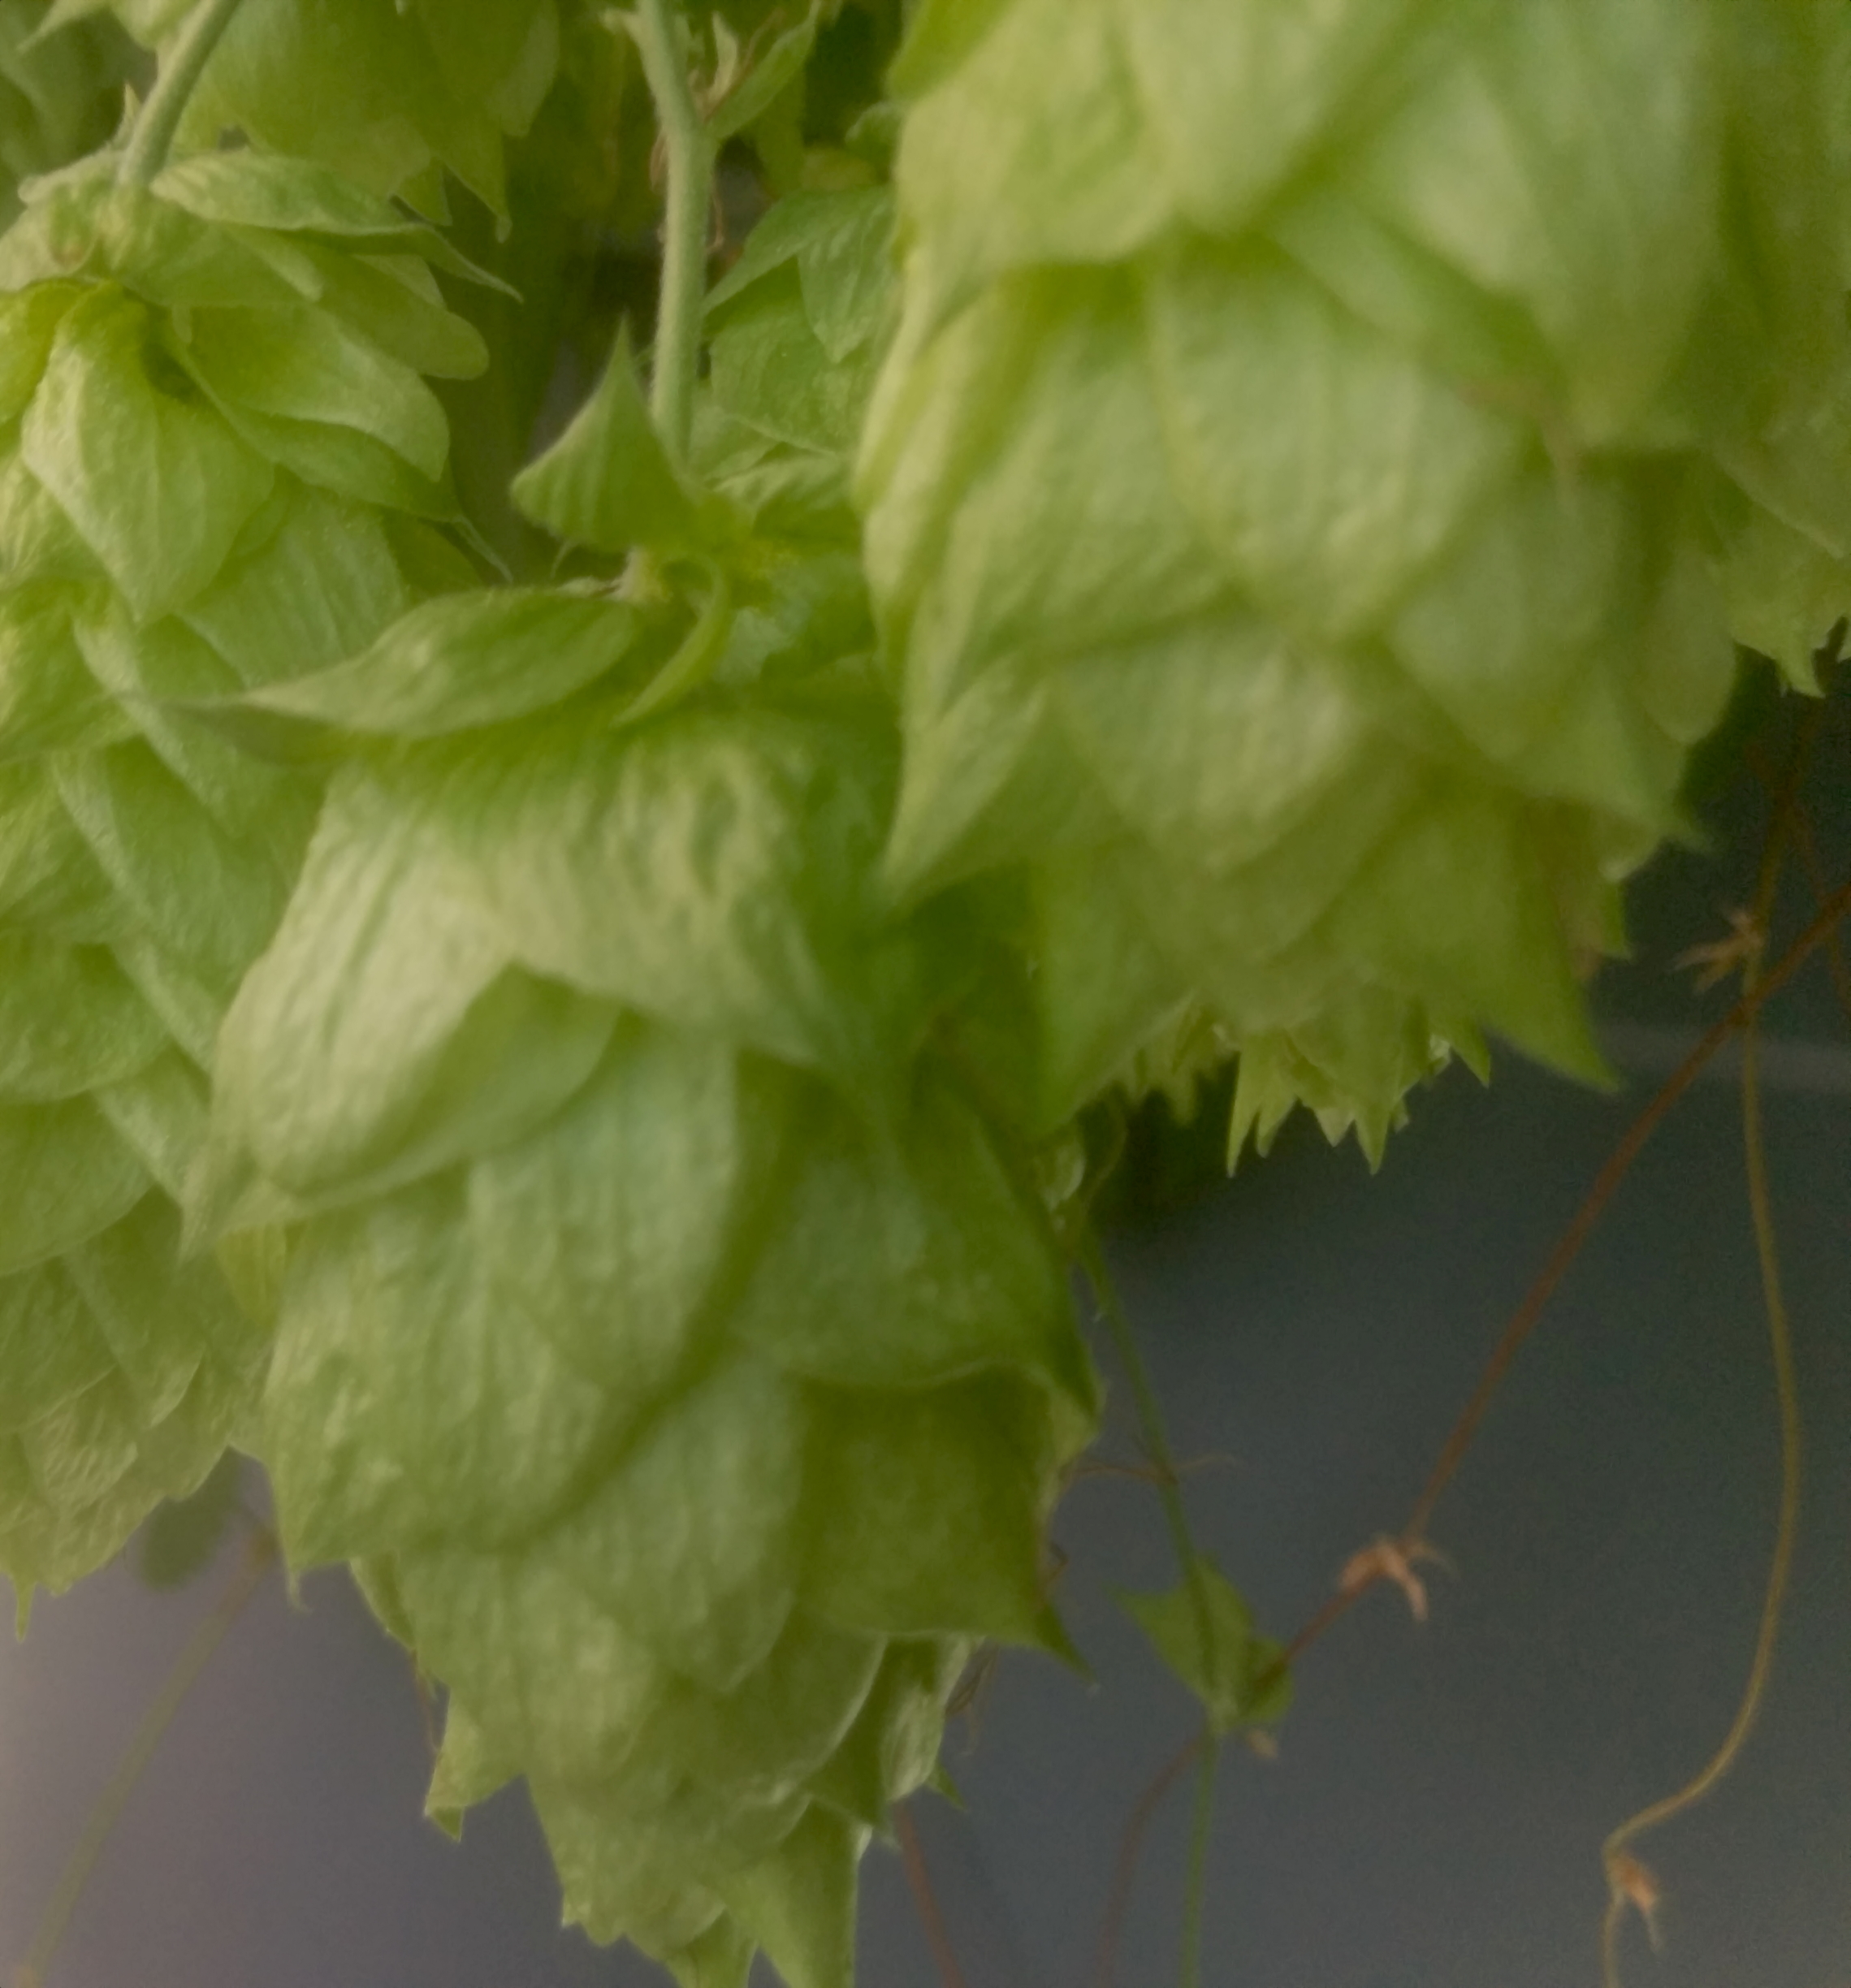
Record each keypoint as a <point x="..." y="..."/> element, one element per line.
<point x="1628" y="1883"/>
<point x="690" y="149"/>
<point x="1170" y="1487"/>
<point x="152" y="138"/>
<point x="1200" y="1832"/>
<point x="1151" y="1432"/>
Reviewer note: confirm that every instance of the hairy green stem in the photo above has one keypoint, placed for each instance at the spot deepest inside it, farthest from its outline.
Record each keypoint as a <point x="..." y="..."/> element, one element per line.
<point x="1156" y="1442"/>
<point x="152" y="138"/>
<point x="691" y="156"/>
<point x="1201" y="1830"/>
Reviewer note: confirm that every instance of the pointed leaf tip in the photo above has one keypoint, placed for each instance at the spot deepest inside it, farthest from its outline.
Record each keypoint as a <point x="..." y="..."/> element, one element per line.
<point x="607" y="482"/>
<point x="1238" y="1678"/>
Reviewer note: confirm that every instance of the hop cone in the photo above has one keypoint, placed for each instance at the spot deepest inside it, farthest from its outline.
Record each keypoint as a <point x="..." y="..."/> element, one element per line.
<point x="691" y="1403"/>
<point x="1292" y="499"/>
<point x="670" y="1336"/>
<point x="213" y="434"/>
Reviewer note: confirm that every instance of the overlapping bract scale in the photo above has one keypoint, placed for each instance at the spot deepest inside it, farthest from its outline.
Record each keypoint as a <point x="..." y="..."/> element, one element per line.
<point x="161" y="550"/>
<point x="59" y="96"/>
<point x="389" y="94"/>
<point x="666" y="1335"/>
<point x="1295" y="503"/>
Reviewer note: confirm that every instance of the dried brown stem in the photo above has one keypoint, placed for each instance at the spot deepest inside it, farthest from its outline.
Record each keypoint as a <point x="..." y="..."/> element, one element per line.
<point x="925" y="1899"/>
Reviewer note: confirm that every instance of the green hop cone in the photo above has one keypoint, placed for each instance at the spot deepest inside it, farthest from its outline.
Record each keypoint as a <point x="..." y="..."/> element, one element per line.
<point x="216" y="458"/>
<point x="1290" y="500"/>
<point x="693" y="1405"/>
<point x="669" y="1336"/>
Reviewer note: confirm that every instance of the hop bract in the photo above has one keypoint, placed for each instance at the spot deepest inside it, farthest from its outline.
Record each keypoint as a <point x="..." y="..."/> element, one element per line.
<point x="1293" y="500"/>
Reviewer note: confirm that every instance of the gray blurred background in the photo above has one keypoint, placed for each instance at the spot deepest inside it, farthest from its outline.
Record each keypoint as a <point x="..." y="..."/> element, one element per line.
<point x="1435" y="1816"/>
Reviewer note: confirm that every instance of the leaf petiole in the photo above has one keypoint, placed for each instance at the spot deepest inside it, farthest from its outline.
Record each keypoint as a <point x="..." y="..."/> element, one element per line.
<point x="152" y="138"/>
<point x="692" y="153"/>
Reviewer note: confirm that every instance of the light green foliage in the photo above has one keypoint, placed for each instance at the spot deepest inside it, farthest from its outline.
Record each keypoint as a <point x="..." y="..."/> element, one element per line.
<point x="1327" y="674"/>
<point x="388" y="95"/>
<point x="669" y="1331"/>
<point x="676" y="1381"/>
<point x="1237" y="1676"/>
<point x="1225" y="555"/>
<point x="59" y="96"/>
<point x="155" y="554"/>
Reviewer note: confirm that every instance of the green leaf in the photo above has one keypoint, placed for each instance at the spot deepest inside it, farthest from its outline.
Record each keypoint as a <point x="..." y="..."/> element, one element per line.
<point x="48" y="699"/>
<point x="305" y="365"/>
<point x="464" y="661"/>
<point x="607" y="483"/>
<point x="29" y="324"/>
<point x="1223" y="1668"/>
<point x="904" y="1257"/>
<point x="158" y="487"/>
<point x="374" y="90"/>
<point x="1498" y="941"/>
<point x="644" y="1867"/>
<point x="72" y="1177"/>
<point x="783" y="1723"/>
<point x="1247" y="93"/>
<point x="69" y="1022"/>
<point x="770" y="367"/>
<point x="209" y="901"/>
<point x="50" y="1349"/>
<point x="49" y="880"/>
<point x="892" y="1748"/>
<point x="391" y="300"/>
<point x="1071" y="535"/>
<point x="692" y="1541"/>
<point x="502" y="51"/>
<point x="316" y="590"/>
<point x="190" y="1009"/>
<point x="338" y="1035"/>
<point x="1215" y="739"/>
<point x="293" y="196"/>
<point x="37" y="541"/>
<point x="1540" y="113"/>
<point x="154" y="673"/>
<point x="404" y="1402"/>
<point x="161" y="1113"/>
<point x="468" y="1769"/>
<point x="922" y="1512"/>
<point x="1320" y="464"/>
<point x="170" y="1323"/>
<point x="428" y="1050"/>
<point x="612" y="1230"/>
<point x="720" y="1958"/>
<point x="769" y="77"/>
<point x="55" y="238"/>
<point x="847" y="273"/>
<point x="703" y="868"/>
<point x="1068" y="170"/>
<point x="940" y="36"/>
<point x="555" y="1685"/>
<point x="170" y="258"/>
<point x="799" y="1903"/>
